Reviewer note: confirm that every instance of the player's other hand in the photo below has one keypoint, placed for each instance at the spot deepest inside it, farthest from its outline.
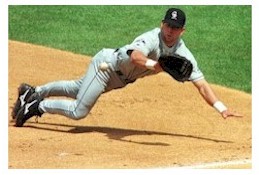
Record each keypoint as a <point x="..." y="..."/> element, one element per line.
<point x="158" y="68"/>
<point x="228" y="113"/>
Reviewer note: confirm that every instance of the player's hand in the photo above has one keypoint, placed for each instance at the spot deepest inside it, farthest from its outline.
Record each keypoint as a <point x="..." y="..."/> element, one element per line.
<point x="228" y="113"/>
<point x="158" y="68"/>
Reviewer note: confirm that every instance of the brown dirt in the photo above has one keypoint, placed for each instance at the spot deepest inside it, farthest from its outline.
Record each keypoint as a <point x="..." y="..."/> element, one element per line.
<point x="155" y="122"/>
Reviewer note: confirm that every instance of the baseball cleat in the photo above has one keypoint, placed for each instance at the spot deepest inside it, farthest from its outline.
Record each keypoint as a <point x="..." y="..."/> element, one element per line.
<point x="29" y="110"/>
<point x="24" y="92"/>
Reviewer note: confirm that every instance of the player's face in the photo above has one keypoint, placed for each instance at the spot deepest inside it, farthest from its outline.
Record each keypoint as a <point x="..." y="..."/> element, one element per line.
<point x="170" y="35"/>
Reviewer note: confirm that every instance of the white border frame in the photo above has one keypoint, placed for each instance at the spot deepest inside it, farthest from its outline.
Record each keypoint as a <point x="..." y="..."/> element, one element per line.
<point x="4" y="84"/>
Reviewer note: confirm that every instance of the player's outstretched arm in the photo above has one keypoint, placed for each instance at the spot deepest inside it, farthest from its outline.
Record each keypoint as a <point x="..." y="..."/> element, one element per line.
<point x="210" y="97"/>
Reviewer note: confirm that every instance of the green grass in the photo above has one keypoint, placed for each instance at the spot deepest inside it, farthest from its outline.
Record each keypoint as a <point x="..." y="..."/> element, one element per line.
<point x="218" y="36"/>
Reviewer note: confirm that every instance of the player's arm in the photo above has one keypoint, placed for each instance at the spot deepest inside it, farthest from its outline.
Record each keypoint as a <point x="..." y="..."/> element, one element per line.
<point x="210" y="97"/>
<point x="140" y="60"/>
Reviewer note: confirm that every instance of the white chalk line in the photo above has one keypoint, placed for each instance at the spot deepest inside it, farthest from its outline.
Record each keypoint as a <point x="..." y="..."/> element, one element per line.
<point x="219" y="164"/>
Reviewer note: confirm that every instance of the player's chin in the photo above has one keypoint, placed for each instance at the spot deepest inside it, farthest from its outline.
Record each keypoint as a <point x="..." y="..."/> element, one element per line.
<point x="170" y="39"/>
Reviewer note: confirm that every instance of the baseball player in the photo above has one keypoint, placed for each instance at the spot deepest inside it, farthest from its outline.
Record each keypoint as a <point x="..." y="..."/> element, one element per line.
<point x="115" y="68"/>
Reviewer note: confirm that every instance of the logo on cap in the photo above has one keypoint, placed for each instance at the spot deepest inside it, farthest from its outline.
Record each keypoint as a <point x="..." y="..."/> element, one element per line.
<point x="174" y="15"/>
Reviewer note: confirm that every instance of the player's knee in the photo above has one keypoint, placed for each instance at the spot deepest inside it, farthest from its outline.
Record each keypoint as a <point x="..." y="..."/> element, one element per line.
<point x="80" y="113"/>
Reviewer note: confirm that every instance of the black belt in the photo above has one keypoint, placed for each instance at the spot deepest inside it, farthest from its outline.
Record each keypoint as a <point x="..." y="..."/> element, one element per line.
<point x="119" y="73"/>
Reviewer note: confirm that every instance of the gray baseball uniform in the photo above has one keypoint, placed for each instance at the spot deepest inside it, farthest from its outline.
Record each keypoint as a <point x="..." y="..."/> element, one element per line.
<point x="121" y="71"/>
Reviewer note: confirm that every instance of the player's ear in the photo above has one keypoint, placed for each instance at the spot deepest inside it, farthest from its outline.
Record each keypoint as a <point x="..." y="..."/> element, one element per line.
<point x="182" y="32"/>
<point x="161" y="24"/>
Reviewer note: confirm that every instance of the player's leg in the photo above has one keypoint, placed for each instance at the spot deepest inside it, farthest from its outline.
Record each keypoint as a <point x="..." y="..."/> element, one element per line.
<point x="89" y="92"/>
<point x="91" y="88"/>
<point x="60" y="88"/>
<point x="93" y="85"/>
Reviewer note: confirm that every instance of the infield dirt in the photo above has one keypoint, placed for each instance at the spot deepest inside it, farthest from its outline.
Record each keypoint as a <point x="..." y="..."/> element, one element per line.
<point x="155" y="122"/>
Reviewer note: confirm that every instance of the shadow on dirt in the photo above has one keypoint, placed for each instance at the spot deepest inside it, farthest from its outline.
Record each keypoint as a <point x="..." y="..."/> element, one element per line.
<point x="118" y="134"/>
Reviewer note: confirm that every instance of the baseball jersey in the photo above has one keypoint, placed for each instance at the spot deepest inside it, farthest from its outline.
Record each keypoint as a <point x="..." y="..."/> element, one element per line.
<point x="152" y="46"/>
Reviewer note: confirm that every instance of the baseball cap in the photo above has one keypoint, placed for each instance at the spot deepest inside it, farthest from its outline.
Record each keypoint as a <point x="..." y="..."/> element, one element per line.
<point x="175" y="18"/>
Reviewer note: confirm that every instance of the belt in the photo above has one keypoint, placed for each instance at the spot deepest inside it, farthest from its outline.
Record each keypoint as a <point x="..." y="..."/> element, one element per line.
<point x="119" y="73"/>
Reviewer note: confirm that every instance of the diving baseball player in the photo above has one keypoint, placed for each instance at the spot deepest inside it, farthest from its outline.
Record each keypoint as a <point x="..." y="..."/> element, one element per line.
<point x="160" y="49"/>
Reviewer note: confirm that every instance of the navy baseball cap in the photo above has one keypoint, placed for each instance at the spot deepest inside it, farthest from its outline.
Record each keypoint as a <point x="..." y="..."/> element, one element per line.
<point x="175" y="18"/>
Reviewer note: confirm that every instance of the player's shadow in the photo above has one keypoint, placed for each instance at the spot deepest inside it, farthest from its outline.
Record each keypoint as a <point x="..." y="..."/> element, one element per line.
<point x="119" y="134"/>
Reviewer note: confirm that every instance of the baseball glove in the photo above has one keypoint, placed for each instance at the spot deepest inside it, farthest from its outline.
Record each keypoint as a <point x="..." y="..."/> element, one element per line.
<point x="177" y="66"/>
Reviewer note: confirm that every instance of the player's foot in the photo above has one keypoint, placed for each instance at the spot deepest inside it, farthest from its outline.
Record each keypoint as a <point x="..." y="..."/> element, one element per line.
<point x="29" y="110"/>
<point x="24" y="92"/>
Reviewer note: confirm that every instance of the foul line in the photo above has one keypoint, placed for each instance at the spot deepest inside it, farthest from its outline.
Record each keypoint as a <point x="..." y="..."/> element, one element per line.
<point x="219" y="164"/>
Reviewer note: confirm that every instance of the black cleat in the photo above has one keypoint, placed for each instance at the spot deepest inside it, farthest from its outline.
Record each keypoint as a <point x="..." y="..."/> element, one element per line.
<point x="29" y="110"/>
<point x="24" y="92"/>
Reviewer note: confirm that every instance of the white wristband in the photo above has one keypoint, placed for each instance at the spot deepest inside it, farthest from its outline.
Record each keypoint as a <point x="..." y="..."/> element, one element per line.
<point x="150" y="64"/>
<point x="219" y="106"/>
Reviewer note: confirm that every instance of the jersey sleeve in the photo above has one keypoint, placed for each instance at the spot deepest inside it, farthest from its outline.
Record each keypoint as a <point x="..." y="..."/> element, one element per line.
<point x="144" y="43"/>
<point x="185" y="52"/>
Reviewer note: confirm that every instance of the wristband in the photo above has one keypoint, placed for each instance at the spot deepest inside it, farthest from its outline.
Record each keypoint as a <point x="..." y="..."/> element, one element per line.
<point x="219" y="106"/>
<point x="150" y="64"/>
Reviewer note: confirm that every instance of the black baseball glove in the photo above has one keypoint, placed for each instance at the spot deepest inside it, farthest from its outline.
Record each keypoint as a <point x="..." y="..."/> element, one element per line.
<point x="177" y="66"/>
